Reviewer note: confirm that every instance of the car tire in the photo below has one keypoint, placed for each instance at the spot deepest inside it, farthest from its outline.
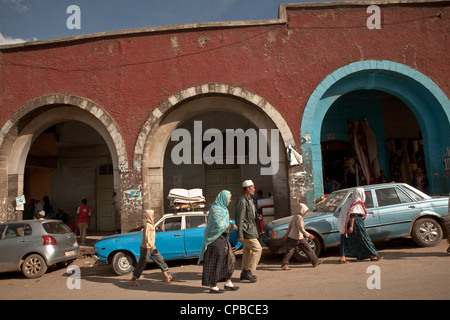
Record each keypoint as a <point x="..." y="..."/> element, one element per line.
<point x="426" y="232"/>
<point x="123" y="263"/>
<point x="315" y="244"/>
<point x="34" y="266"/>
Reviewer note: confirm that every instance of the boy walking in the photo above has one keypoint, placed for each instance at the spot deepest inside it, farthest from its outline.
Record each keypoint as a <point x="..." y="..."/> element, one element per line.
<point x="148" y="250"/>
<point x="296" y="234"/>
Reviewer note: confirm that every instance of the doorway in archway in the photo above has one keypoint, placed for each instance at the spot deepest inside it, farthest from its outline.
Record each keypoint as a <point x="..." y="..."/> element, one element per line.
<point x="366" y="131"/>
<point x="213" y="178"/>
<point x="420" y="94"/>
<point x="67" y="163"/>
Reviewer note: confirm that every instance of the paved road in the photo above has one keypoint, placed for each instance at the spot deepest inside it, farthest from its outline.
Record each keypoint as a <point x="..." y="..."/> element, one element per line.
<point x="406" y="272"/>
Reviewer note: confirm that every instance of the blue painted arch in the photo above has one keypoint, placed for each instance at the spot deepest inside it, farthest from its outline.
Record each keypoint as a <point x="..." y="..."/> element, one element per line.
<point x="425" y="99"/>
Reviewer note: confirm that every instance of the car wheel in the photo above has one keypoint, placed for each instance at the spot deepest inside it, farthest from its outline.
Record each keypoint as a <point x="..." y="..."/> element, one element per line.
<point x="316" y="246"/>
<point x="34" y="266"/>
<point x="123" y="263"/>
<point x="426" y="232"/>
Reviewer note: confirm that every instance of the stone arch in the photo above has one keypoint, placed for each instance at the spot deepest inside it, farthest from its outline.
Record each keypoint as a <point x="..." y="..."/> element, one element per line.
<point x="198" y="91"/>
<point x="155" y="134"/>
<point x="425" y="99"/>
<point x="27" y="123"/>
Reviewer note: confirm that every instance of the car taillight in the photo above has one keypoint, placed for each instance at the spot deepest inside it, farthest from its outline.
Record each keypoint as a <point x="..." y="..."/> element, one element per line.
<point x="49" y="241"/>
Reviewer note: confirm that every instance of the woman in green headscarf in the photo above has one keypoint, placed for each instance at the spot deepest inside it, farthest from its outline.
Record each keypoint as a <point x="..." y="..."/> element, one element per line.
<point x="217" y="253"/>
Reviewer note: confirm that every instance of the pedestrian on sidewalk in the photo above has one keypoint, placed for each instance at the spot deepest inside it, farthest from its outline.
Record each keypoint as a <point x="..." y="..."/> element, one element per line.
<point x="148" y="250"/>
<point x="296" y="233"/>
<point x="217" y="254"/>
<point x="355" y="241"/>
<point x="248" y="233"/>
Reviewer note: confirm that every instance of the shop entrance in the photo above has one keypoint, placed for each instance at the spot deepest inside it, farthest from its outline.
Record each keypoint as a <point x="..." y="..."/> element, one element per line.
<point x="399" y="86"/>
<point x="215" y="177"/>
<point x="223" y="177"/>
<point x="66" y="163"/>
<point x="335" y="155"/>
<point x="376" y="132"/>
<point x="218" y="107"/>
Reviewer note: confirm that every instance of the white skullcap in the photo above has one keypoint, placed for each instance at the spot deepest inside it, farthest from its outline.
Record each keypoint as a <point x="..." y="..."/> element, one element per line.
<point x="247" y="183"/>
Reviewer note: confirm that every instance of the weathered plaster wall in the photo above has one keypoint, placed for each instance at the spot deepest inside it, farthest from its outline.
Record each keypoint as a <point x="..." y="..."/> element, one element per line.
<point x="128" y="74"/>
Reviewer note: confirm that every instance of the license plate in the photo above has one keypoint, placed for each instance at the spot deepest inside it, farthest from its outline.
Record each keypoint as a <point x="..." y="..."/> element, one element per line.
<point x="69" y="253"/>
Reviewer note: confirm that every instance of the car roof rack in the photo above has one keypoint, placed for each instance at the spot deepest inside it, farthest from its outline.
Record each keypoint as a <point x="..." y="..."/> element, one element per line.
<point x="183" y="200"/>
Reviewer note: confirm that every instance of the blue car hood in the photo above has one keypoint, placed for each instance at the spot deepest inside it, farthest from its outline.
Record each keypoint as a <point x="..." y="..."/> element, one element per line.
<point x="313" y="215"/>
<point x="280" y="222"/>
<point x="284" y="222"/>
<point x="118" y="236"/>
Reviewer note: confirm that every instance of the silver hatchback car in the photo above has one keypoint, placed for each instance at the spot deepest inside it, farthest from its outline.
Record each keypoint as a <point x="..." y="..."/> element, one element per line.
<point x="31" y="246"/>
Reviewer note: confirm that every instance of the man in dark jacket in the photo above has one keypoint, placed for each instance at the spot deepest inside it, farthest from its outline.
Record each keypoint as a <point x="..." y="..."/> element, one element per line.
<point x="246" y="221"/>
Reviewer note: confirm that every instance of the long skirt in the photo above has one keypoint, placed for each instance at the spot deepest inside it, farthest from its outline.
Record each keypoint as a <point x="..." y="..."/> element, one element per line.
<point x="219" y="261"/>
<point x="358" y="243"/>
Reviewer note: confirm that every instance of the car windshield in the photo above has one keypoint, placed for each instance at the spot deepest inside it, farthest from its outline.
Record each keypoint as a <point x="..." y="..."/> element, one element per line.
<point x="331" y="203"/>
<point x="56" y="227"/>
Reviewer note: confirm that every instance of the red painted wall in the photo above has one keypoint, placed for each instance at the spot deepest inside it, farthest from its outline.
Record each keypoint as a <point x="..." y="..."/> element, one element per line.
<point x="128" y="75"/>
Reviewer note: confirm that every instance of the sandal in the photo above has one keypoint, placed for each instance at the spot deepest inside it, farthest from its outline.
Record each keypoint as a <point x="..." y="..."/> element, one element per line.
<point x="168" y="279"/>
<point x="318" y="262"/>
<point x="168" y="276"/>
<point x="285" y="267"/>
<point x="376" y="258"/>
<point x="134" y="283"/>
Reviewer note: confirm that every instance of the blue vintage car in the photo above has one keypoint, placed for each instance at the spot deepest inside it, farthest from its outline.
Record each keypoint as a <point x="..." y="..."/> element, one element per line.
<point x="394" y="210"/>
<point x="178" y="236"/>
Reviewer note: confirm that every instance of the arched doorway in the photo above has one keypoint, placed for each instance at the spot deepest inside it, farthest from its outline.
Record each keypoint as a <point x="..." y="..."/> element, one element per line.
<point x="221" y="174"/>
<point x="68" y="162"/>
<point x="396" y="142"/>
<point x="79" y="139"/>
<point x="423" y="98"/>
<point x="207" y="102"/>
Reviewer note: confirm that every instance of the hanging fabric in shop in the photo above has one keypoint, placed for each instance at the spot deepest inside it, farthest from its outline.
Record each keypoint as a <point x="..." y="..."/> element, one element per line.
<point x="372" y="149"/>
<point x="358" y="138"/>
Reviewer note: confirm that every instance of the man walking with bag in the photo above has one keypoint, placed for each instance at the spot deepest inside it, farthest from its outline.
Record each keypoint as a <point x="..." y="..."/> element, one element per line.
<point x="248" y="234"/>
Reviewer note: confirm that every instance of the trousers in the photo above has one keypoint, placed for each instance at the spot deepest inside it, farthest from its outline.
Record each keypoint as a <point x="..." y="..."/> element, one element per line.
<point x="82" y="227"/>
<point x="251" y="254"/>
<point x="147" y="253"/>
<point x="302" y="245"/>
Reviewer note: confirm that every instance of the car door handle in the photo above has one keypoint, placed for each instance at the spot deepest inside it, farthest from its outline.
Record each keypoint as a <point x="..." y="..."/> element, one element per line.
<point x="411" y="207"/>
<point x="22" y="241"/>
<point x="177" y="235"/>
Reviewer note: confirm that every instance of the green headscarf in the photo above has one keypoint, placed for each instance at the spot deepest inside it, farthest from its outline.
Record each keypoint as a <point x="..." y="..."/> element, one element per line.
<point x="218" y="221"/>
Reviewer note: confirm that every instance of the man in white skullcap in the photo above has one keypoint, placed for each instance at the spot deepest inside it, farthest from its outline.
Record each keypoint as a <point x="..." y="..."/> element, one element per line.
<point x="248" y="234"/>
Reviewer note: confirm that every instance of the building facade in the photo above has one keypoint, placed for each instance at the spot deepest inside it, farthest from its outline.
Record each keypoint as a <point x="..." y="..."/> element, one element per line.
<point x="94" y="116"/>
